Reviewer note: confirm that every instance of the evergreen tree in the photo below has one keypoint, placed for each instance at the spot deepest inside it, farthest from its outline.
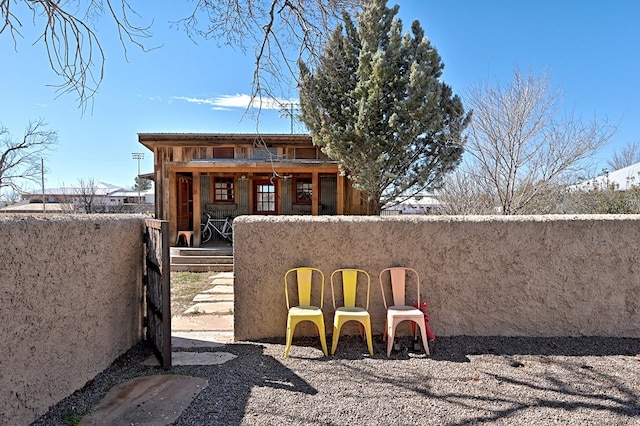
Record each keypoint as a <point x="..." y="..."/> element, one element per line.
<point x="141" y="184"/>
<point x="375" y="103"/>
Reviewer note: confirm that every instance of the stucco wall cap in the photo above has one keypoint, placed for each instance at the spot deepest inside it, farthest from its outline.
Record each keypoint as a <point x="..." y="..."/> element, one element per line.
<point x="438" y="219"/>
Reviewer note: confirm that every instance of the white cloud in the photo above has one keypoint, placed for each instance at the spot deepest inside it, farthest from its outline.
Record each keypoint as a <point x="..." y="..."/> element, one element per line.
<point x="226" y="102"/>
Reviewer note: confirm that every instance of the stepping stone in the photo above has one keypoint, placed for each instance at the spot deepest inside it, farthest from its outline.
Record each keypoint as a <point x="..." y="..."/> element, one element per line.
<point x="222" y="281"/>
<point x="223" y="308"/>
<point x="182" y="323"/>
<point x="219" y="289"/>
<point x="153" y="400"/>
<point x="212" y="298"/>
<point x="201" y="358"/>
<point x="204" y="297"/>
<point x="200" y="339"/>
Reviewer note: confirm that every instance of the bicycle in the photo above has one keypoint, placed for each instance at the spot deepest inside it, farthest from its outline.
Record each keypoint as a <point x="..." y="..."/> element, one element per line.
<point x="225" y="231"/>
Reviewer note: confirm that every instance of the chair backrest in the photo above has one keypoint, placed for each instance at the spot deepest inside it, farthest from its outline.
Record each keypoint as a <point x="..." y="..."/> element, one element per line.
<point x="304" y="281"/>
<point x="349" y="286"/>
<point x="397" y="276"/>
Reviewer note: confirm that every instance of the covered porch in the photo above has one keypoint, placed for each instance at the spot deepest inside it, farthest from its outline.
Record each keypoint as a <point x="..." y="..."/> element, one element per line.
<point x="229" y="175"/>
<point x="227" y="189"/>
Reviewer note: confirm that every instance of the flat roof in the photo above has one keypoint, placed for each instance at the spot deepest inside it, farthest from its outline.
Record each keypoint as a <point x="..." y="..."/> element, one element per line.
<point x="186" y="139"/>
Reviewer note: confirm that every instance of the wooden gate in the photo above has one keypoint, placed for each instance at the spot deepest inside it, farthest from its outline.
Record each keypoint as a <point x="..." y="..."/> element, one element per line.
<point x="157" y="289"/>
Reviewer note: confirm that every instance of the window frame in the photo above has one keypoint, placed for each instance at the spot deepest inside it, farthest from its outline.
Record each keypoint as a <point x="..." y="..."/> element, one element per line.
<point x="231" y="186"/>
<point x="303" y="181"/>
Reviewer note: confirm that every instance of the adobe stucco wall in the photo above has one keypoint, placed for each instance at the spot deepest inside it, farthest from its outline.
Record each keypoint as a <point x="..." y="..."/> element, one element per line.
<point x="508" y="276"/>
<point x="70" y="303"/>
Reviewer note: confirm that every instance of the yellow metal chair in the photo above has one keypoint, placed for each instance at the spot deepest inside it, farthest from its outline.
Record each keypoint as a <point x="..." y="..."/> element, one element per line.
<point x="304" y="311"/>
<point x="349" y="311"/>
<point x="400" y="311"/>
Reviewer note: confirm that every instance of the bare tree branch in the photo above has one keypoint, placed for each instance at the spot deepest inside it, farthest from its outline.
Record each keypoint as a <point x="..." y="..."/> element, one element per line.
<point x="626" y="156"/>
<point x="74" y="50"/>
<point x="521" y="147"/>
<point x="283" y="32"/>
<point x="20" y="158"/>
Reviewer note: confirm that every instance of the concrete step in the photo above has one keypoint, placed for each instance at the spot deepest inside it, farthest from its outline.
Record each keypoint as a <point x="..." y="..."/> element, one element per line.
<point x="216" y="258"/>
<point x="184" y="251"/>
<point x="201" y="259"/>
<point x="202" y="267"/>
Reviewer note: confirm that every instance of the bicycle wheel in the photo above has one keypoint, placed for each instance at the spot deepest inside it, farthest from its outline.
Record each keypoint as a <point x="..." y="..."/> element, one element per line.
<point x="227" y="230"/>
<point x="206" y="233"/>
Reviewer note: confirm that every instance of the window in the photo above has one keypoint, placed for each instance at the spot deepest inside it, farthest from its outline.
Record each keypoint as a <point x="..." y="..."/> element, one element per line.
<point x="305" y="153"/>
<point x="223" y="152"/>
<point x="265" y="197"/>
<point x="263" y="153"/>
<point x="304" y="190"/>
<point x="223" y="190"/>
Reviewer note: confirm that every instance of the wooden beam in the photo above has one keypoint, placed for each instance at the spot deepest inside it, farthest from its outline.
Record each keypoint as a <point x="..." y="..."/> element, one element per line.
<point x="315" y="193"/>
<point x="251" y="167"/>
<point x="197" y="209"/>
<point x="340" y="194"/>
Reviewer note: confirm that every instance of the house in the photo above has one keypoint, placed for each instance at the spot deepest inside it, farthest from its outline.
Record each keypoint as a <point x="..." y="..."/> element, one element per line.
<point x="418" y="204"/>
<point x="243" y="174"/>
<point x="620" y="180"/>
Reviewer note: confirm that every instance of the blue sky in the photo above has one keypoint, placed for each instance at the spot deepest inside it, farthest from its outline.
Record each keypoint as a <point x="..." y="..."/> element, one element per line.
<point x="591" y="48"/>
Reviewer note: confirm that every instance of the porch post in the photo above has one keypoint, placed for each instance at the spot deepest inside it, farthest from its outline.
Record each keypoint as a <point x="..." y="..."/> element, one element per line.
<point x="340" y="194"/>
<point x="197" y="209"/>
<point x="315" y="193"/>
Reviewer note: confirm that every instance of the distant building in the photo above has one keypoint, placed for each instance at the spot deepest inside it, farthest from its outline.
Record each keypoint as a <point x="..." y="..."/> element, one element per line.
<point x="620" y="180"/>
<point x="418" y="204"/>
<point x="100" y="198"/>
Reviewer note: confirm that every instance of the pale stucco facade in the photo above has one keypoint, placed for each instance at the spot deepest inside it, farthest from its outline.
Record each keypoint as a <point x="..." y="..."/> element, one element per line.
<point x="71" y="290"/>
<point x="482" y="276"/>
<point x="70" y="303"/>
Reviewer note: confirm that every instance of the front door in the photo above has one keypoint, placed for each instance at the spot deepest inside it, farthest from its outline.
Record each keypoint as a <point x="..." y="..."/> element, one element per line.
<point x="264" y="196"/>
<point x="185" y="203"/>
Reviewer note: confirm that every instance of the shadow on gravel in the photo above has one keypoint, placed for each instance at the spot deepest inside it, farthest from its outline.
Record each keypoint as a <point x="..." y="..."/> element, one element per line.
<point x="525" y="375"/>
<point x="222" y="402"/>
<point x="458" y="348"/>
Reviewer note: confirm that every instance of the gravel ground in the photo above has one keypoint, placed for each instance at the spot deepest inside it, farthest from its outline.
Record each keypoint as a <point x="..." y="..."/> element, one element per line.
<point x="466" y="380"/>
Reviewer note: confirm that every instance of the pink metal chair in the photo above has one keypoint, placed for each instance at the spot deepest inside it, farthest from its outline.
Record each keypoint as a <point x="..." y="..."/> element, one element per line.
<point x="400" y="311"/>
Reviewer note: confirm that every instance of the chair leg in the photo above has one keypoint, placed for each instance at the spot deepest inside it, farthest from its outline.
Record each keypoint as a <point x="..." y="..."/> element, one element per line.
<point x="290" y="328"/>
<point x="323" y="337"/>
<point x="390" y="336"/>
<point x="367" y="327"/>
<point x="425" y="342"/>
<point x="336" y="335"/>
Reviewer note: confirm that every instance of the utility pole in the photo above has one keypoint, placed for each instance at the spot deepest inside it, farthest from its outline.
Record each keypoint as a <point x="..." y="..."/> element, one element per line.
<point x="138" y="156"/>
<point x="289" y="110"/>
<point x="42" y="179"/>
